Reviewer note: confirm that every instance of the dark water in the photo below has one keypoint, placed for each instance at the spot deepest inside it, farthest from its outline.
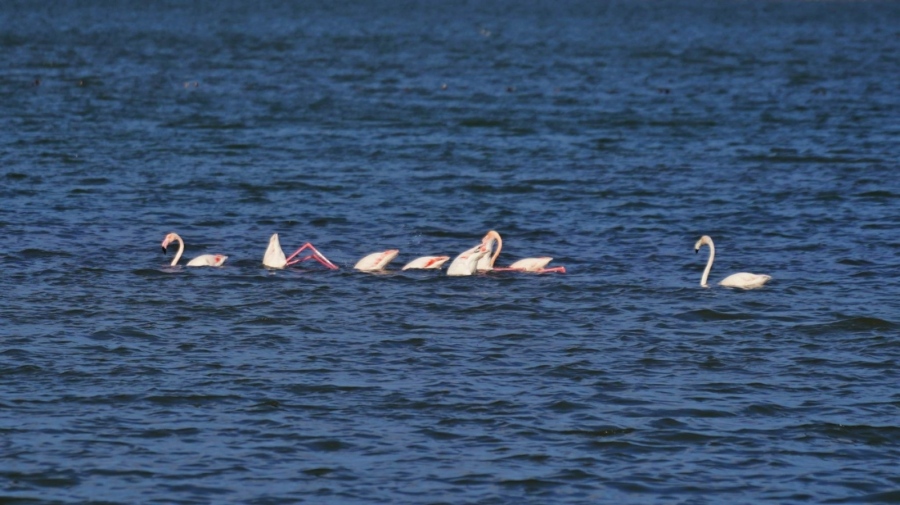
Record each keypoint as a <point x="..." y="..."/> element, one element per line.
<point x="609" y="135"/>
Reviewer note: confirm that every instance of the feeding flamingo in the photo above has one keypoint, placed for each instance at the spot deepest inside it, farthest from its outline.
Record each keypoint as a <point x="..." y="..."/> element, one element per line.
<point x="426" y="263"/>
<point x="376" y="262"/>
<point x="275" y="258"/>
<point x="467" y="261"/>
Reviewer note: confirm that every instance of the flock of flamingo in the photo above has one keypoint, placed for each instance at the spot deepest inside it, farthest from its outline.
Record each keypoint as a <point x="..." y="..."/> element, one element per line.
<point x="480" y="258"/>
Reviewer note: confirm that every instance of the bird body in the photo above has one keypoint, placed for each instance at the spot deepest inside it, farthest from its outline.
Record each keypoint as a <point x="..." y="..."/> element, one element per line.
<point x="426" y="263"/>
<point x="376" y="261"/>
<point x="205" y="260"/>
<point x="275" y="258"/>
<point x="493" y="241"/>
<point x="743" y="280"/>
<point x="467" y="261"/>
<point x="534" y="265"/>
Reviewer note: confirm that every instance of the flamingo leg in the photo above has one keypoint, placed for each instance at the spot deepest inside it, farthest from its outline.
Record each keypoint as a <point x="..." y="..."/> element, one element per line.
<point x="310" y="256"/>
<point x="315" y="255"/>
<point x="560" y="270"/>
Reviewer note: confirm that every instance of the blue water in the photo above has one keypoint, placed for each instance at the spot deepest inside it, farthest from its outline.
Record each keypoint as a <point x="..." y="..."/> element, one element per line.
<point x="609" y="135"/>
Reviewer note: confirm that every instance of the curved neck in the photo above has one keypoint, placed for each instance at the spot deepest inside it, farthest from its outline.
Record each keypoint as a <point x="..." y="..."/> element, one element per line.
<point x="493" y="235"/>
<point x="472" y="261"/>
<point x="709" y="262"/>
<point x="180" y="250"/>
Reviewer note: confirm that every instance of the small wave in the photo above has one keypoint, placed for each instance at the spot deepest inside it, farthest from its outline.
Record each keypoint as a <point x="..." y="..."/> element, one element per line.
<point x="853" y="324"/>
<point x="50" y="478"/>
<point x="482" y="123"/>
<point x="94" y="181"/>
<point x="492" y="190"/>
<point x="322" y="222"/>
<point x="599" y="432"/>
<point x="241" y="146"/>
<point x="41" y="253"/>
<point x="123" y="332"/>
<point x="328" y="445"/>
<point x="408" y="342"/>
<point x="19" y="353"/>
<point x="150" y="272"/>
<point x="21" y="370"/>
<point x="880" y="194"/>
<point x="564" y="406"/>
<point x="575" y="474"/>
<point x="669" y="417"/>
<point x="530" y="485"/>
<point x="712" y="315"/>
<point x="854" y="262"/>
<point x="318" y="471"/>
<point x="471" y="479"/>
<point x="869" y="435"/>
<point x="885" y="497"/>
<point x="799" y="158"/>
<point x="135" y="371"/>
<point x="765" y="410"/>
<point x="166" y="433"/>
<point x="190" y="399"/>
<point x="325" y="389"/>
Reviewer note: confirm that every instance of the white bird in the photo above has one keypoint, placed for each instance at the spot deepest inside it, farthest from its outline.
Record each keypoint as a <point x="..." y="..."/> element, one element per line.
<point x="204" y="260"/>
<point x="426" y="263"/>
<point x="274" y="257"/>
<point x="744" y="280"/>
<point x="467" y="261"/>
<point x="376" y="262"/>
<point x="537" y="265"/>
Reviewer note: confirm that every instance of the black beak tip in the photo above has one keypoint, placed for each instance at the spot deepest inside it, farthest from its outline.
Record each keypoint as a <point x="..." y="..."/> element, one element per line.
<point x="164" y="250"/>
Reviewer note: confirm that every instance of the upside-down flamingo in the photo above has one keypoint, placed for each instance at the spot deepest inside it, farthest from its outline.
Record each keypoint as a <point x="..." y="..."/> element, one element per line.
<point x="376" y="262"/>
<point x="275" y="258"/>
<point x="426" y="263"/>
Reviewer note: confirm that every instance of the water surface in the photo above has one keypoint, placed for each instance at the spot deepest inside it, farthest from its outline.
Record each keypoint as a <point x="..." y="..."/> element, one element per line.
<point x="608" y="135"/>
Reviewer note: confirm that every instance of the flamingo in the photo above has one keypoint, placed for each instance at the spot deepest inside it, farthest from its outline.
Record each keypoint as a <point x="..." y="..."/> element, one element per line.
<point x="536" y="265"/>
<point x="275" y="258"/>
<point x="467" y="261"/>
<point x="743" y="280"/>
<point x="426" y="263"/>
<point x="376" y="262"/>
<point x="204" y="260"/>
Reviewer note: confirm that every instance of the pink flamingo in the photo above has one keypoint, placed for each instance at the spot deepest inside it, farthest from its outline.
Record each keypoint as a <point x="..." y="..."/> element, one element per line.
<point x="535" y="265"/>
<point x="376" y="262"/>
<point x="467" y="261"/>
<point x="426" y="263"/>
<point x="275" y="258"/>
<point x="204" y="260"/>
